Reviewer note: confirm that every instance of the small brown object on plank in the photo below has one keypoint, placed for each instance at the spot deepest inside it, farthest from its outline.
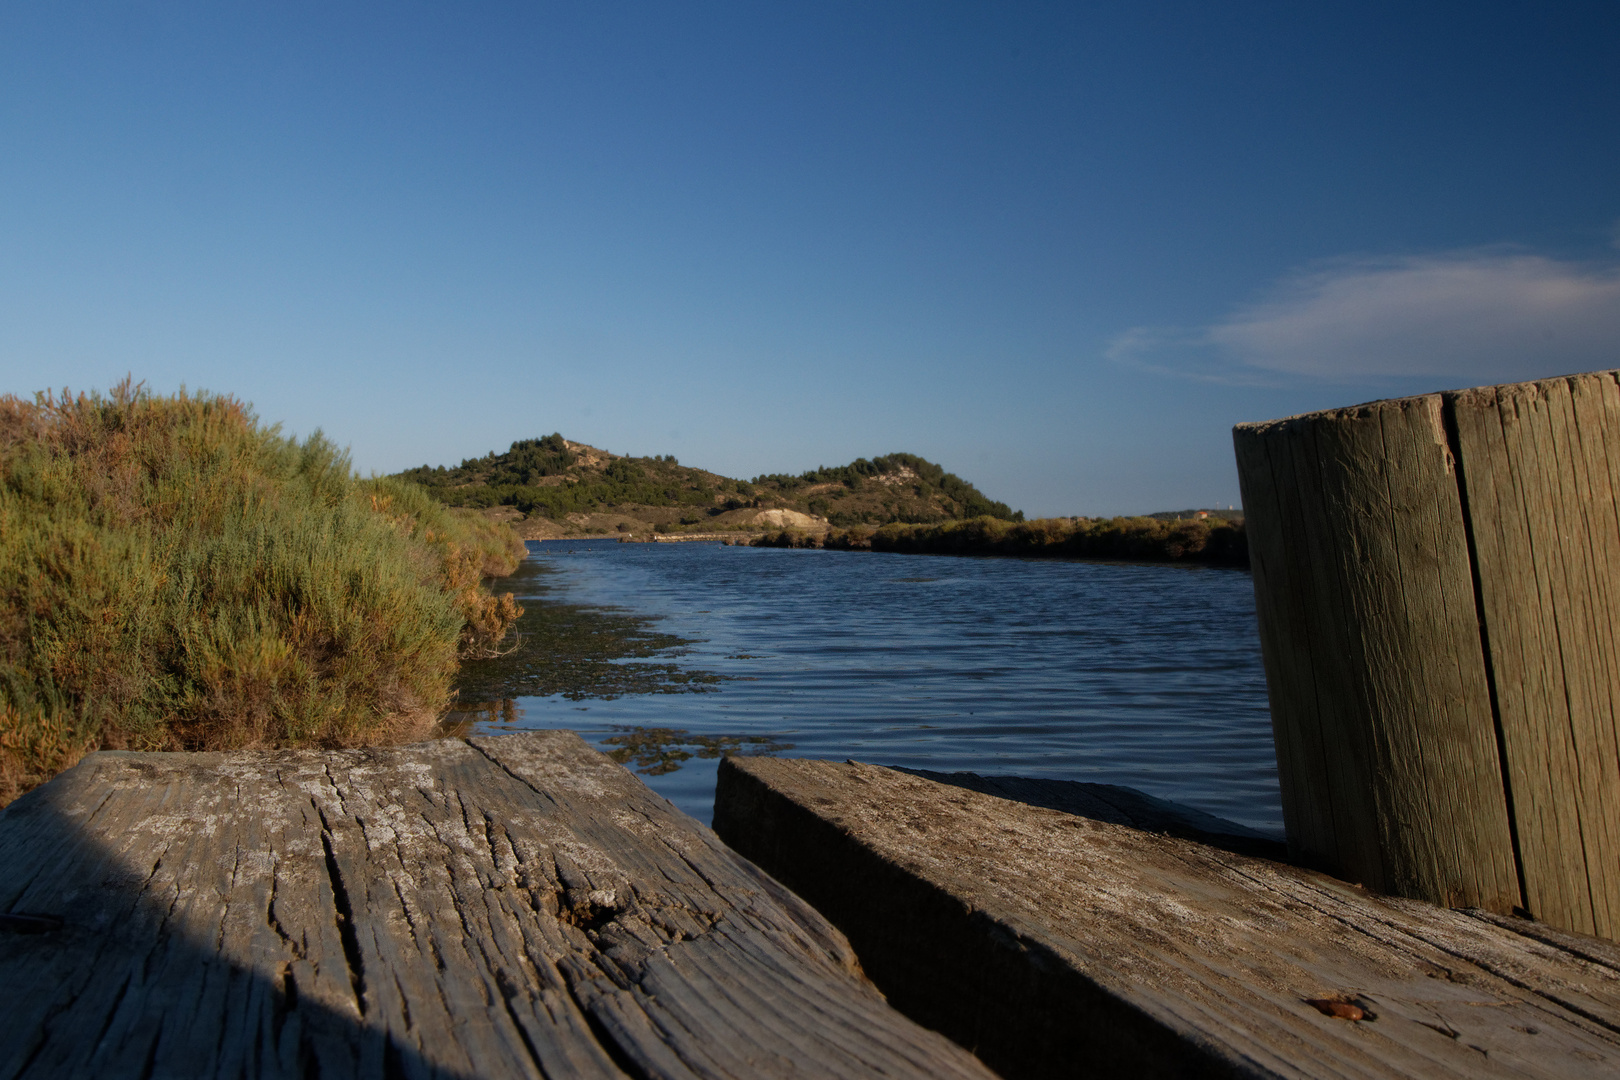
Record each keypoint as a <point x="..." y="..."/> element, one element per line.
<point x="517" y="906"/>
<point x="1041" y="939"/>
<point x="1344" y="1010"/>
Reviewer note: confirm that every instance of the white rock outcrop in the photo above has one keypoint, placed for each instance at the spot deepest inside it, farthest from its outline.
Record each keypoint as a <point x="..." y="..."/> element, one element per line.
<point x="786" y="519"/>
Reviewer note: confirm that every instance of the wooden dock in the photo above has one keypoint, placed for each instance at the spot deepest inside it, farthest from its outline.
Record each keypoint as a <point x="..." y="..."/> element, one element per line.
<point x="1057" y="944"/>
<point x="497" y="907"/>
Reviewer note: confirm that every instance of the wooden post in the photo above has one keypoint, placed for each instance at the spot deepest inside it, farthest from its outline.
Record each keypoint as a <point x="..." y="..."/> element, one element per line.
<point x="1437" y="582"/>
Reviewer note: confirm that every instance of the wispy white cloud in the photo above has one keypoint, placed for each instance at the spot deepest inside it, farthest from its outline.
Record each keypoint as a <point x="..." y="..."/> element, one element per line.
<point x="1180" y="351"/>
<point x="1474" y="316"/>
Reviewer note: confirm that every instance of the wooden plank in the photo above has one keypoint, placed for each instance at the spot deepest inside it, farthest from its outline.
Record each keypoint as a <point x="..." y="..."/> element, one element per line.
<point x="1518" y="634"/>
<point x="1118" y="805"/>
<point x="510" y="907"/>
<point x="1596" y="400"/>
<point x="1445" y="809"/>
<point x="1043" y="939"/>
<point x="1285" y="618"/>
<point x="1387" y="745"/>
<point x="1347" y="772"/>
<point x="1541" y="467"/>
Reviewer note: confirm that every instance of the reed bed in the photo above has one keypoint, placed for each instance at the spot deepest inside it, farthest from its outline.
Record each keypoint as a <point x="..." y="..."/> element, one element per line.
<point x="176" y="576"/>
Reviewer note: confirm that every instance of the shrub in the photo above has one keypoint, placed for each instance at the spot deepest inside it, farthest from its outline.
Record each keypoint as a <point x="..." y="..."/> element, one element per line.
<point x="788" y="538"/>
<point x="857" y="538"/>
<point x="173" y="575"/>
<point x="1144" y="539"/>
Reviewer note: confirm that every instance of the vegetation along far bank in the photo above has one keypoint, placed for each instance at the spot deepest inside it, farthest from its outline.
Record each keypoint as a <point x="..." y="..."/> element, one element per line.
<point x="553" y="488"/>
<point x="176" y="576"/>
<point x="1217" y="541"/>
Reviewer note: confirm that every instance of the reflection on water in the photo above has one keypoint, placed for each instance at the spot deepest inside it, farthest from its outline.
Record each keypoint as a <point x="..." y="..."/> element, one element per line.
<point x="469" y="719"/>
<point x="1147" y="676"/>
<point x="656" y="751"/>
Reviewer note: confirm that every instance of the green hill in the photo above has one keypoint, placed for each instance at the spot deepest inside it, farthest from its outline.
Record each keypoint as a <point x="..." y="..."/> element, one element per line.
<point x="889" y="489"/>
<point x="564" y="488"/>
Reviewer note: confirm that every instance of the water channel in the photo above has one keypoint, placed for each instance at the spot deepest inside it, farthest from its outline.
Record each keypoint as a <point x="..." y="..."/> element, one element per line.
<point x="1145" y="675"/>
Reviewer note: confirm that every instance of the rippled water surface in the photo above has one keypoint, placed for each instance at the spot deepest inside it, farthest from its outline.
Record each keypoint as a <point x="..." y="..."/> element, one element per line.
<point x="1143" y="675"/>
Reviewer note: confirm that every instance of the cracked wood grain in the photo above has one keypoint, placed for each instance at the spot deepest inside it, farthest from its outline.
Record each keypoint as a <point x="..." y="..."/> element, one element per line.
<point x="509" y="907"/>
<point x="1437" y="584"/>
<point x="1041" y="939"/>
<point x="1542" y="469"/>
<point x="1380" y="701"/>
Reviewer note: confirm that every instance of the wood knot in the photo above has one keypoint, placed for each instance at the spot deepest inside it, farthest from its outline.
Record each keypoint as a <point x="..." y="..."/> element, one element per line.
<point x="590" y="912"/>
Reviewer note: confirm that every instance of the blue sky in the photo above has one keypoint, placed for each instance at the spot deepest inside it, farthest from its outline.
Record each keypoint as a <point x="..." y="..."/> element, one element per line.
<point x="1058" y="248"/>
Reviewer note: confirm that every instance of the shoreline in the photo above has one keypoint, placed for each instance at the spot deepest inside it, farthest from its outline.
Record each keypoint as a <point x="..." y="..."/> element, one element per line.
<point x="1221" y="542"/>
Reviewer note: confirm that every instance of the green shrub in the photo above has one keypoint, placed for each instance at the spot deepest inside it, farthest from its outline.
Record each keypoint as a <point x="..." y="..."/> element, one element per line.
<point x="1145" y="539"/>
<point x="173" y="575"/>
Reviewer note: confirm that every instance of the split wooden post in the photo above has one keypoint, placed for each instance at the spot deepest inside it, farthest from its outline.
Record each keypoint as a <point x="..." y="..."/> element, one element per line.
<point x="1438" y="582"/>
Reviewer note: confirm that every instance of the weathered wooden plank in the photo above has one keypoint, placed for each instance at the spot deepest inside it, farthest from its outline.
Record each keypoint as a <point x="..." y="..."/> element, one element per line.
<point x="1313" y="809"/>
<point x="1117" y="805"/>
<point x="1541" y="467"/>
<point x="1387" y="747"/>
<point x="508" y="907"/>
<point x="1446" y="809"/>
<point x="1515" y="636"/>
<point x="1345" y="772"/>
<point x="1044" y="939"/>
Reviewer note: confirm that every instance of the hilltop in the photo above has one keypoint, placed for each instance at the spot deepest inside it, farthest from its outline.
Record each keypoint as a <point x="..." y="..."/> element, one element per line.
<point x="553" y="487"/>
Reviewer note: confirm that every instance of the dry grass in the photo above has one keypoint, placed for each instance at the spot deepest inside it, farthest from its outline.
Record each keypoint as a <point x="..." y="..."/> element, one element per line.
<point x="173" y="575"/>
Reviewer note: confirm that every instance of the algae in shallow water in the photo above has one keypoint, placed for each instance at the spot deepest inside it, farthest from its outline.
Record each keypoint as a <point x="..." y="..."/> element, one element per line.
<point x="581" y="651"/>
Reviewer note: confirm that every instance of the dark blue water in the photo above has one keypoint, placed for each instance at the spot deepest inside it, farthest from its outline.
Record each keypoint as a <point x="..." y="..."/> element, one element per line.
<point x="1143" y="675"/>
